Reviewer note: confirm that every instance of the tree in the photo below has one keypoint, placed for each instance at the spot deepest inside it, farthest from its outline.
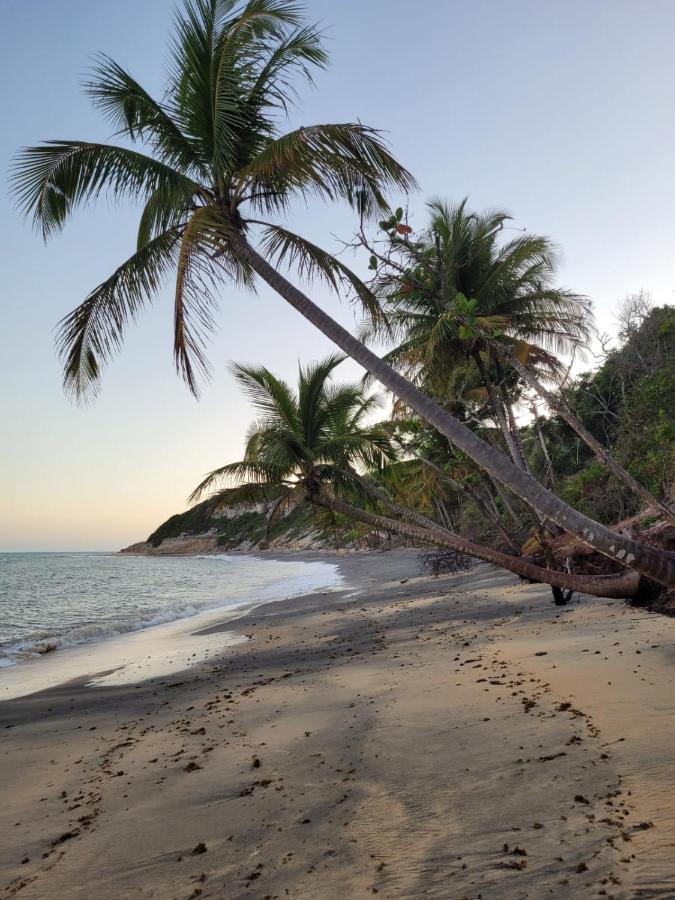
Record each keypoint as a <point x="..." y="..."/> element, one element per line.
<point x="455" y="282"/>
<point x="304" y="438"/>
<point x="216" y="164"/>
<point x="309" y="444"/>
<point x="456" y="292"/>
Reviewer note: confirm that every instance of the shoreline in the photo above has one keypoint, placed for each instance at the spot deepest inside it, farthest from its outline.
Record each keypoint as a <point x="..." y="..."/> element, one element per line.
<point x="406" y="730"/>
<point x="127" y="644"/>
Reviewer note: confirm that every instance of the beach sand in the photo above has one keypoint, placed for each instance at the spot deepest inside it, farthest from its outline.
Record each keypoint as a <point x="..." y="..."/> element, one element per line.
<point x="409" y="737"/>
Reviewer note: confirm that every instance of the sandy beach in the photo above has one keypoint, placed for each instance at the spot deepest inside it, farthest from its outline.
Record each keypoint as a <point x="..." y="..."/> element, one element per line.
<point x="458" y="737"/>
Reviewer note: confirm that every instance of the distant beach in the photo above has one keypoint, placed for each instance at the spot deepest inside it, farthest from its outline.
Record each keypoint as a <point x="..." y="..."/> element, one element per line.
<point x="515" y="749"/>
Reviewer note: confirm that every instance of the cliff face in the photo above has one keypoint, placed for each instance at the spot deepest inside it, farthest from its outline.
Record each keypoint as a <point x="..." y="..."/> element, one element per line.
<point x="197" y="531"/>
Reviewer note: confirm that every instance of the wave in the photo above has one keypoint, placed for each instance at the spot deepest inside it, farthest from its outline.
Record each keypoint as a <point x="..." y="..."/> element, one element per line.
<point x="296" y="583"/>
<point x="33" y="647"/>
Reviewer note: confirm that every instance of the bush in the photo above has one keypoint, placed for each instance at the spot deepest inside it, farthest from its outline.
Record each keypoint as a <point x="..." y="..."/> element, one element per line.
<point x="598" y="494"/>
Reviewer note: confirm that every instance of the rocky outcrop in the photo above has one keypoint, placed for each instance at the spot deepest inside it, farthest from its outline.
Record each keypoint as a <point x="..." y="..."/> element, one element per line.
<point x="189" y="545"/>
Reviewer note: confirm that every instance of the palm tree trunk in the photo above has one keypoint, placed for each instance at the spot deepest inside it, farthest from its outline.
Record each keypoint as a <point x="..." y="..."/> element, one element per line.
<point x="499" y="412"/>
<point x="502" y="409"/>
<point x="513" y="428"/>
<point x="550" y="472"/>
<point x="559" y="406"/>
<point x="656" y="565"/>
<point x="621" y="586"/>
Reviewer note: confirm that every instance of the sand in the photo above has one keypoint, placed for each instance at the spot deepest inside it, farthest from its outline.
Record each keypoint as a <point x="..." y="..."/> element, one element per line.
<point x="408" y="737"/>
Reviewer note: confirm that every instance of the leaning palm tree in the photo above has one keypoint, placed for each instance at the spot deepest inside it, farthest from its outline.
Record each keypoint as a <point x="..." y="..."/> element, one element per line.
<point x="214" y="173"/>
<point x="309" y="444"/>
<point x="457" y="292"/>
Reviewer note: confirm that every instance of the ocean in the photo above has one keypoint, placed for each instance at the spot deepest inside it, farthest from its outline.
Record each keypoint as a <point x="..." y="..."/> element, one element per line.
<point x="53" y="601"/>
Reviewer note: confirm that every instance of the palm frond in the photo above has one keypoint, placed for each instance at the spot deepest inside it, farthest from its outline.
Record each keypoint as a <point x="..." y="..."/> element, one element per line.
<point x="93" y="331"/>
<point x="284" y="247"/>
<point x="294" y="54"/>
<point x="238" y="473"/>
<point x="289" y="499"/>
<point x="312" y="399"/>
<point x="167" y="207"/>
<point x="344" y="161"/>
<point x="270" y="395"/>
<point x="51" y="179"/>
<point x="131" y="110"/>
<point x="194" y="299"/>
<point x="246" y="495"/>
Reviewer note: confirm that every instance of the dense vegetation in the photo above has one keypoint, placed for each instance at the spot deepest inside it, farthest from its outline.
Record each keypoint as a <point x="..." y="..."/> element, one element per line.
<point x="629" y="404"/>
<point x="622" y="400"/>
<point x="250" y="527"/>
<point x="197" y="520"/>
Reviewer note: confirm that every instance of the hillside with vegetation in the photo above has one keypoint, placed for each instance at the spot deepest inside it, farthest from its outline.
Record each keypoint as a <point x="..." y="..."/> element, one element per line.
<point x="626" y="401"/>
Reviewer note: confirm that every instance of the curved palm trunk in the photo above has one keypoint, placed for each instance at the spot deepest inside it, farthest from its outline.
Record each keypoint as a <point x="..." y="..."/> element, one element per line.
<point x="410" y="515"/>
<point x="503" y="413"/>
<point x="620" y="586"/>
<point x="559" y="406"/>
<point x="650" y="562"/>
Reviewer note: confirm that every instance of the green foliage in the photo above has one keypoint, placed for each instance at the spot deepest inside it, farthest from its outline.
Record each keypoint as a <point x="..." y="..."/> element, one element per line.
<point x="305" y="441"/>
<point x="459" y="285"/>
<point x="645" y="441"/>
<point x="596" y="493"/>
<point x="197" y="520"/>
<point x="249" y="526"/>
<point x="628" y="403"/>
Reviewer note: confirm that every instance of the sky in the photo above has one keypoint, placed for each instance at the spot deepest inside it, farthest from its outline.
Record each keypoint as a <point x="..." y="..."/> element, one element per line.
<point x="562" y="113"/>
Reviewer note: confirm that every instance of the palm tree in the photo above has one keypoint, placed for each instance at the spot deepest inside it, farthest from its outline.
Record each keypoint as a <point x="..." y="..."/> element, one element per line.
<point x="302" y="441"/>
<point x="216" y="163"/>
<point x="309" y="444"/>
<point x="425" y="284"/>
<point x="514" y="319"/>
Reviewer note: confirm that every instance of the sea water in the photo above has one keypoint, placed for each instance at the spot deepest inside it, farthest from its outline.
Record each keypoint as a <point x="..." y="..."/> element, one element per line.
<point x="53" y="601"/>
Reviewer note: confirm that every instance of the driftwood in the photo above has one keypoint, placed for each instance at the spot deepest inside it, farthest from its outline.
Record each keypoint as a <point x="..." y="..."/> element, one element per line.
<point x="444" y="562"/>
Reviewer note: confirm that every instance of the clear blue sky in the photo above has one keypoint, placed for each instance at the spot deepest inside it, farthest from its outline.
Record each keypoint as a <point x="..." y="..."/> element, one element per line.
<point x="563" y="113"/>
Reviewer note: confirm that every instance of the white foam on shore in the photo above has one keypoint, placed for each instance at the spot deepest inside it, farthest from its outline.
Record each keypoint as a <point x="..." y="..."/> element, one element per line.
<point x="288" y="582"/>
<point x="151" y="648"/>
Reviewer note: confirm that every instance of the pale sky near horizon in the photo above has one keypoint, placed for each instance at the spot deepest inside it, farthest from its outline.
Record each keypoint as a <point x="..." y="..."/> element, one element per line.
<point x="563" y="113"/>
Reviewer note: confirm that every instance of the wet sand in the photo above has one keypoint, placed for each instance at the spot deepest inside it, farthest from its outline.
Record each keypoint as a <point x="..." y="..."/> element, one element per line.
<point x="451" y="738"/>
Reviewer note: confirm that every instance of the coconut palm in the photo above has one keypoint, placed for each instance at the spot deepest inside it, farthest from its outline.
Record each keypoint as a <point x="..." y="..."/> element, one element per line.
<point x="302" y="441"/>
<point x="457" y="292"/>
<point x="309" y="445"/>
<point x="458" y="269"/>
<point x="214" y="173"/>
